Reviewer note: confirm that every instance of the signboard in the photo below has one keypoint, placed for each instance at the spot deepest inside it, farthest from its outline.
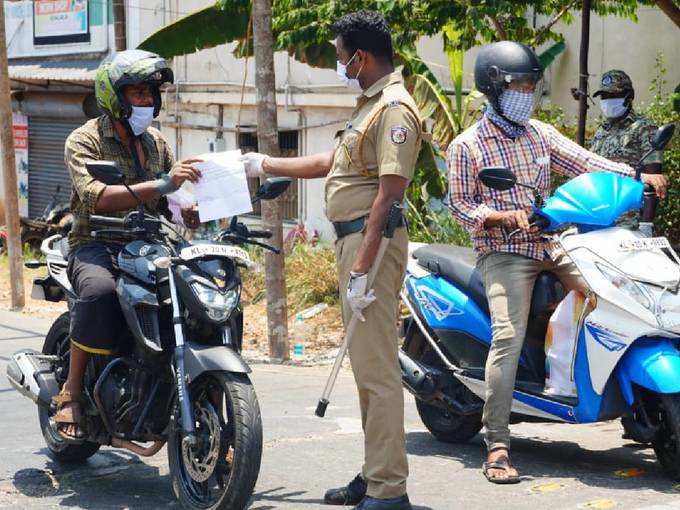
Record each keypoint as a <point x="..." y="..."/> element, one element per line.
<point x="60" y="21"/>
<point x="20" y="129"/>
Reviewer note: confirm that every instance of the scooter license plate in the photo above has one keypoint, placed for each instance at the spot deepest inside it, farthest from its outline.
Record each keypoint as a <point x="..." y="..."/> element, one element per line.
<point x="214" y="250"/>
<point x="645" y="244"/>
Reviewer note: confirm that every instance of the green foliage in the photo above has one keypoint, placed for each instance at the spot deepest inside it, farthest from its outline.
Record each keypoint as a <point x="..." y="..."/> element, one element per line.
<point x="661" y="111"/>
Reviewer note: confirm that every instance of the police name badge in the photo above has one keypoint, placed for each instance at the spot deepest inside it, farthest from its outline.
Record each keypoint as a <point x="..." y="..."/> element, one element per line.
<point x="398" y="134"/>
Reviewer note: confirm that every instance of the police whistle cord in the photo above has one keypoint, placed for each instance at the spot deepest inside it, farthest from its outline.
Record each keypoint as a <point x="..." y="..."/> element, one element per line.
<point x="393" y="219"/>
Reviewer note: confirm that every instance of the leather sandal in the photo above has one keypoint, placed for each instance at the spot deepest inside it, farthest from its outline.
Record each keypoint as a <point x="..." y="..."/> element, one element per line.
<point x="68" y="414"/>
<point x="502" y="463"/>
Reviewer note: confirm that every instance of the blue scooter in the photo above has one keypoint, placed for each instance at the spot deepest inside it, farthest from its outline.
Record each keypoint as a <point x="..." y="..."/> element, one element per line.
<point x="625" y="356"/>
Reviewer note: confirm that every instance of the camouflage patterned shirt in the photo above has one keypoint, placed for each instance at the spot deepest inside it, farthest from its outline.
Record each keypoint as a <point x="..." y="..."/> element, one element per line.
<point x="97" y="140"/>
<point x="626" y="140"/>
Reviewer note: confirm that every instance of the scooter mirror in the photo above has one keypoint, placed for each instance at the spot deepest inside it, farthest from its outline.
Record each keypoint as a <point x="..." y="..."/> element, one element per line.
<point x="106" y="172"/>
<point x="272" y="188"/>
<point x="662" y="136"/>
<point x="498" y="178"/>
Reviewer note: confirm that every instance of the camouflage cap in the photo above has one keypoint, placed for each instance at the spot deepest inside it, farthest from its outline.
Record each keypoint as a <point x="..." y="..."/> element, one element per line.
<point x="615" y="82"/>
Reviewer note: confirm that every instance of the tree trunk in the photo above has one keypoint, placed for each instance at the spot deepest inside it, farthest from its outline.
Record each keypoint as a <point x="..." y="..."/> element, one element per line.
<point x="670" y="9"/>
<point x="272" y="211"/>
<point x="9" y="173"/>
<point x="583" y="73"/>
<point x="120" y="37"/>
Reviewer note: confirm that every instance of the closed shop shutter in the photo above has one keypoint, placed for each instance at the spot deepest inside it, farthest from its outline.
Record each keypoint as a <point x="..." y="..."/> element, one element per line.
<point x="46" y="169"/>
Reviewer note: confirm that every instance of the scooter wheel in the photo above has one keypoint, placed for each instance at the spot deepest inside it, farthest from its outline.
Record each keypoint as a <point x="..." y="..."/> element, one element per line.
<point x="667" y="442"/>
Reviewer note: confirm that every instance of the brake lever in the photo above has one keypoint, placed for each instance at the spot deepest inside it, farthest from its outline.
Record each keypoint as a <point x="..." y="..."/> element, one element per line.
<point x="243" y="240"/>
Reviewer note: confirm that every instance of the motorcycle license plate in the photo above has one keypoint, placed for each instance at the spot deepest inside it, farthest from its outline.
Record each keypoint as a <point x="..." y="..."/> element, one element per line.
<point x="645" y="244"/>
<point x="214" y="250"/>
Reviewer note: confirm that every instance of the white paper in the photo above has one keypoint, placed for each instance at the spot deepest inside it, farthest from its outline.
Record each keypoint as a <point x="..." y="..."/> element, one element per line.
<point x="177" y="201"/>
<point x="222" y="190"/>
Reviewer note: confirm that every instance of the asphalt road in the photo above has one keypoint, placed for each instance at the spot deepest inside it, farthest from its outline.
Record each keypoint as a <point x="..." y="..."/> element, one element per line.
<point x="564" y="466"/>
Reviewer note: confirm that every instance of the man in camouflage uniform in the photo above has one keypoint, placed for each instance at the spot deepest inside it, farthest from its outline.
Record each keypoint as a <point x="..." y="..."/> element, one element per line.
<point x="625" y="136"/>
<point x="127" y="91"/>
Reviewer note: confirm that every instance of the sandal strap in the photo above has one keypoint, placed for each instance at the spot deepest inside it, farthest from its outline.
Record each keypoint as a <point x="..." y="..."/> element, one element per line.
<point x="65" y="397"/>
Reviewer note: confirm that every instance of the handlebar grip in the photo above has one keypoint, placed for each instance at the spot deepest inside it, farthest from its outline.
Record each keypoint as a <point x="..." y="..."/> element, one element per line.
<point x="539" y="221"/>
<point x="105" y="221"/>
<point x="264" y="234"/>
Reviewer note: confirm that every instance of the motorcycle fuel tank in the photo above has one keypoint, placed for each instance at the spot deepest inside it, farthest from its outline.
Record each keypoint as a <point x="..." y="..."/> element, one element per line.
<point x="136" y="259"/>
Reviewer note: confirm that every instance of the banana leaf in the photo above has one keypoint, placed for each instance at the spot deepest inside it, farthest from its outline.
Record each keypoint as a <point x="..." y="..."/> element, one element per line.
<point x="224" y="22"/>
<point x="548" y="56"/>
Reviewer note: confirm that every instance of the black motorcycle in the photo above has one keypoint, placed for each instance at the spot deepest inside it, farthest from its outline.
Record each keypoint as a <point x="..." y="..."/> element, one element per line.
<point x="177" y="377"/>
<point x="56" y="218"/>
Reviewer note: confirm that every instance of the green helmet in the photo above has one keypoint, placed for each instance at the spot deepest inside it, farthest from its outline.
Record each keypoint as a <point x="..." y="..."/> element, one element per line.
<point x="130" y="67"/>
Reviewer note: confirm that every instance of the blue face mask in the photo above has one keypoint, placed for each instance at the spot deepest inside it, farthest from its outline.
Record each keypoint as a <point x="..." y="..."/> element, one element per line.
<point x="517" y="106"/>
<point x="140" y="118"/>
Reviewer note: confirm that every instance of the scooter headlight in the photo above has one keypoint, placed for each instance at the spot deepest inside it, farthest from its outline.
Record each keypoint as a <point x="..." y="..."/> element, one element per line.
<point x="627" y="285"/>
<point x="218" y="304"/>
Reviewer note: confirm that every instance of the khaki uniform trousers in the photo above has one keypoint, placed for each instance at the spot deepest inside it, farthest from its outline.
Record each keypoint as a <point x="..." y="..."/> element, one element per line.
<point x="509" y="282"/>
<point x="375" y="364"/>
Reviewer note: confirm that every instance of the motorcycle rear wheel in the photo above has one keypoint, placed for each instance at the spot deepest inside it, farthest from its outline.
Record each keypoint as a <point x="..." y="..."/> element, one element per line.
<point x="57" y="342"/>
<point x="667" y="442"/>
<point x="446" y="425"/>
<point x="220" y="473"/>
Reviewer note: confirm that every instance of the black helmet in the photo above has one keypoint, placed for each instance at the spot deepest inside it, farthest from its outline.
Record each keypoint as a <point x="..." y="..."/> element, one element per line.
<point x="503" y="62"/>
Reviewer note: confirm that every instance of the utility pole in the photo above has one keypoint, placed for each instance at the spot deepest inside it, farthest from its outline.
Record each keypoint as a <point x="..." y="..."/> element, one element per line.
<point x="120" y="37"/>
<point x="272" y="211"/>
<point x="583" y="73"/>
<point x="9" y="175"/>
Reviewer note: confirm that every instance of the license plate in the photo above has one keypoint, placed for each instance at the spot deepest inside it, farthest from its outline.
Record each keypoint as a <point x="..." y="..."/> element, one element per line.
<point x="214" y="250"/>
<point x="645" y="244"/>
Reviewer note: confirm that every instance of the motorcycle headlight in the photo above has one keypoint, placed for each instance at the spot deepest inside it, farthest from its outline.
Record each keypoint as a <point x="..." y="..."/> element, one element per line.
<point x="218" y="304"/>
<point x="627" y="285"/>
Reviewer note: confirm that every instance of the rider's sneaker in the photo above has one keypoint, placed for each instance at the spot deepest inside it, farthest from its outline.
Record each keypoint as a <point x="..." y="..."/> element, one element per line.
<point x="351" y="494"/>
<point x="369" y="503"/>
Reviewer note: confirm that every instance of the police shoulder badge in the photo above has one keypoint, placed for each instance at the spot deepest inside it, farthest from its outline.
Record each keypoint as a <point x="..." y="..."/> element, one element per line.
<point x="398" y="134"/>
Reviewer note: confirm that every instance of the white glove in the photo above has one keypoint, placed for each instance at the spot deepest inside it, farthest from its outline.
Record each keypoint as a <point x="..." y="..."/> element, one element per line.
<point x="252" y="161"/>
<point x="357" y="297"/>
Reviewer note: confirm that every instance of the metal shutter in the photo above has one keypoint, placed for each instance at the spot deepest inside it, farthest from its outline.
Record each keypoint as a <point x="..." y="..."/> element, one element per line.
<point x="46" y="169"/>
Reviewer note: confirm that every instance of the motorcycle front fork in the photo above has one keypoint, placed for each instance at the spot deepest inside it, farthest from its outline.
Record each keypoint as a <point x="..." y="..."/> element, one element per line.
<point x="187" y="421"/>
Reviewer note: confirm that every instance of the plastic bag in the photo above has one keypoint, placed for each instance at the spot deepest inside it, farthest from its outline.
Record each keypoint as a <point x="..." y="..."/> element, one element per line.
<point x="560" y="345"/>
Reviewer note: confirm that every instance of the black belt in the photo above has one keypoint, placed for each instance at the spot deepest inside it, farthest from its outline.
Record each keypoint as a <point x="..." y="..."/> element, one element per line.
<point x="345" y="228"/>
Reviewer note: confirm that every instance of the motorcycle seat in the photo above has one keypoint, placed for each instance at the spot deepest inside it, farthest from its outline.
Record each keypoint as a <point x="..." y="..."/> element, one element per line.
<point x="458" y="265"/>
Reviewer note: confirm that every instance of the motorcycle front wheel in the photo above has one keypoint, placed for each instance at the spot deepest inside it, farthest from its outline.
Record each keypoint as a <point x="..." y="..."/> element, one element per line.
<point x="220" y="471"/>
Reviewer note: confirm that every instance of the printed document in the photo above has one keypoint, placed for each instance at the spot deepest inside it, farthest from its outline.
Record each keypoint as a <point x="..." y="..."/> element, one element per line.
<point x="222" y="190"/>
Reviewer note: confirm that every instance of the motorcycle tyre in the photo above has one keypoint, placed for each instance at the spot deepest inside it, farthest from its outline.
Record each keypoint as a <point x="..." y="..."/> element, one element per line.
<point x="58" y="449"/>
<point x="247" y="446"/>
<point x="447" y="426"/>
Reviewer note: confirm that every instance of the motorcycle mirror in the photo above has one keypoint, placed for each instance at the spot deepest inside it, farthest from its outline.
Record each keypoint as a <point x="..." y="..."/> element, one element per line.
<point x="272" y="188"/>
<point x="106" y="172"/>
<point x="498" y="178"/>
<point x="662" y="136"/>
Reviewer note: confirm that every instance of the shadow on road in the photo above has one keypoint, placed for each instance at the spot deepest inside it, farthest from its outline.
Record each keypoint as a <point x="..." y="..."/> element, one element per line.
<point x="110" y="479"/>
<point x="538" y="459"/>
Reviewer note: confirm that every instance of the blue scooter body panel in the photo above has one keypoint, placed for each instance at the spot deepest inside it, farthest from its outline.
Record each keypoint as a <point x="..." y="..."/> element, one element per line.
<point x="592" y="201"/>
<point x="653" y="363"/>
<point x="444" y="306"/>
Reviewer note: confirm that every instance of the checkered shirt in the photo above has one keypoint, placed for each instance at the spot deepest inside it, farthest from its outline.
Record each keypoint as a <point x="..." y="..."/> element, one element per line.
<point x="531" y="157"/>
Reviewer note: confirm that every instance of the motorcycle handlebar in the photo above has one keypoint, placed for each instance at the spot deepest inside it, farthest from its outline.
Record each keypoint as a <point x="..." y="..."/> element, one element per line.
<point x="105" y="221"/>
<point x="263" y="234"/>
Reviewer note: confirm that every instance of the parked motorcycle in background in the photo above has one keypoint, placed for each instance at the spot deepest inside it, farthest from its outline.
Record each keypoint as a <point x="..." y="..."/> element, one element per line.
<point x="177" y="376"/>
<point x="55" y="219"/>
<point x="624" y="357"/>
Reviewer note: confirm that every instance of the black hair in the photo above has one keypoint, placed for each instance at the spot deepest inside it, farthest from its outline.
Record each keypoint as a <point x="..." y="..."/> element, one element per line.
<point x="365" y="30"/>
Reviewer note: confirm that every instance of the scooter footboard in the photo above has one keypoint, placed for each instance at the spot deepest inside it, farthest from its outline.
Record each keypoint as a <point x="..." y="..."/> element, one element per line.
<point x="653" y="364"/>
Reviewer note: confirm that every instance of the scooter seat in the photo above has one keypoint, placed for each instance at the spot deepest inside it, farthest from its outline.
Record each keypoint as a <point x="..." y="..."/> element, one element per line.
<point x="458" y="265"/>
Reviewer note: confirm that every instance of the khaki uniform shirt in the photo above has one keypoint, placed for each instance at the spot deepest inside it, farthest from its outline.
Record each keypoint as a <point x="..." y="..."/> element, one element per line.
<point x="382" y="137"/>
<point x="94" y="141"/>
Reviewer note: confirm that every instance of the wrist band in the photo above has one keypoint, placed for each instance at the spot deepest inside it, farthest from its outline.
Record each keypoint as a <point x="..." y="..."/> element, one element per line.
<point x="165" y="185"/>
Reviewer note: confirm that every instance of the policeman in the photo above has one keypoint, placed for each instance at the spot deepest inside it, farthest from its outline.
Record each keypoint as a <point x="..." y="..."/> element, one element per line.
<point x="370" y="168"/>
<point x="625" y="136"/>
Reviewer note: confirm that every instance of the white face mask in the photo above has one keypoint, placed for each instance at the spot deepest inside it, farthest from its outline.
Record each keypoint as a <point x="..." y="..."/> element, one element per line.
<point x="614" y="107"/>
<point x="140" y="118"/>
<point x="341" y="69"/>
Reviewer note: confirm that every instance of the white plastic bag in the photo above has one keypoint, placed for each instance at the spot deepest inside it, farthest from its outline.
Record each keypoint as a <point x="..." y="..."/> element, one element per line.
<point x="560" y="345"/>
